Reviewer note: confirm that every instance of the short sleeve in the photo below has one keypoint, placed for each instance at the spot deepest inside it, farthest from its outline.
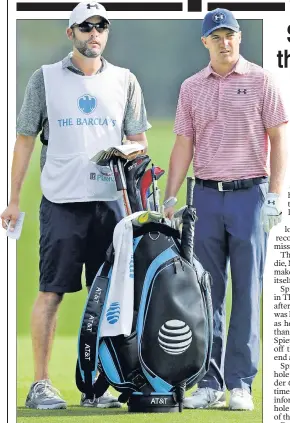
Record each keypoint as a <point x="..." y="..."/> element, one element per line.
<point x="274" y="110"/>
<point x="135" y="119"/>
<point x="30" y="118"/>
<point x="183" y="120"/>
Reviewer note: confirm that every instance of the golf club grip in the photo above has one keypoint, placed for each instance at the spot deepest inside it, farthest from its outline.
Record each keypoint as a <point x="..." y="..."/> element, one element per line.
<point x="154" y="187"/>
<point x="117" y="177"/>
<point x="120" y="165"/>
<point x="189" y="192"/>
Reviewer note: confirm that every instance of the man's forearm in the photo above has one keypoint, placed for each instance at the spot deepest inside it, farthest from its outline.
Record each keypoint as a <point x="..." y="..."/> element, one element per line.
<point x="278" y="160"/>
<point x="22" y="152"/>
<point x="180" y="159"/>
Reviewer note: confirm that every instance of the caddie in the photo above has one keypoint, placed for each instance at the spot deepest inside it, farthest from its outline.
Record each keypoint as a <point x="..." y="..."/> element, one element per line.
<point x="81" y="105"/>
<point x="230" y="120"/>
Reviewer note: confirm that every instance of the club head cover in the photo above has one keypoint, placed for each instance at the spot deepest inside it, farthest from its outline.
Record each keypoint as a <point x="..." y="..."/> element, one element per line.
<point x="134" y="170"/>
<point x="146" y="181"/>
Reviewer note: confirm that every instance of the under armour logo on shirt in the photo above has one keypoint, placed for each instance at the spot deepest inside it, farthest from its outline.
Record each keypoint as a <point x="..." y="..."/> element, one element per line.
<point x="89" y="6"/>
<point x="240" y="91"/>
<point x="271" y="202"/>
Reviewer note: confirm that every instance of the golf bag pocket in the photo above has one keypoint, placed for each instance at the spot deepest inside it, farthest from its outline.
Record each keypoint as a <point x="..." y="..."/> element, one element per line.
<point x="119" y="361"/>
<point x="173" y="324"/>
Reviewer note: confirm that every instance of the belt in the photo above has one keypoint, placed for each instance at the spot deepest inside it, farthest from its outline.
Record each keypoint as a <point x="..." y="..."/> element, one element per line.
<point x="232" y="185"/>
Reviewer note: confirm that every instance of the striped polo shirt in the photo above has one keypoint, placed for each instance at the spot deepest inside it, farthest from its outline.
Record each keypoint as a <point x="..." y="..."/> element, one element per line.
<point x="227" y="117"/>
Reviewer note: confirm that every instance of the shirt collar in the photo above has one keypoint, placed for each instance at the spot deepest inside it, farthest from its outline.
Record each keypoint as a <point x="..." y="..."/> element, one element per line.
<point x="68" y="64"/>
<point x="241" y="67"/>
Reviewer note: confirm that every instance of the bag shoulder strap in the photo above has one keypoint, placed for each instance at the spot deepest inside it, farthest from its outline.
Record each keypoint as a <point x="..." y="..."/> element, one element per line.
<point x="88" y="343"/>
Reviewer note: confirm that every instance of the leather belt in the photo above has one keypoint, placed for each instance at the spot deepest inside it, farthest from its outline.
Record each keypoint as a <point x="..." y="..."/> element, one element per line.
<point x="232" y="185"/>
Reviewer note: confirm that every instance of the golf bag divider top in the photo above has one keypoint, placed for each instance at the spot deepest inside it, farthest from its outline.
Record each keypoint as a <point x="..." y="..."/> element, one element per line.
<point x="169" y="348"/>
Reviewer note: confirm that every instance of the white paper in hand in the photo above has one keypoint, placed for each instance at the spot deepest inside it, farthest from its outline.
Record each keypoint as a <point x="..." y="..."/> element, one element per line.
<point x="18" y="227"/>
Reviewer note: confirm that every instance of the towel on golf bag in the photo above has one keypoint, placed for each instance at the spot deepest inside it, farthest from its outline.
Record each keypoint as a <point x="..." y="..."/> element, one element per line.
<point x="171" y="338"/>
<point x="119" y="308"/>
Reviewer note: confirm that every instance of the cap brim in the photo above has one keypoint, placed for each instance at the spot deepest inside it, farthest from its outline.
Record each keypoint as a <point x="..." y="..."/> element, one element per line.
<point x="233" y="28"/>
<point x="101" y="16"/>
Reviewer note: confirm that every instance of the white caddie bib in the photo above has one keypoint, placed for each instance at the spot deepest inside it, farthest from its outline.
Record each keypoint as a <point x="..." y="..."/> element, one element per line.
<point x="85" y="115"/>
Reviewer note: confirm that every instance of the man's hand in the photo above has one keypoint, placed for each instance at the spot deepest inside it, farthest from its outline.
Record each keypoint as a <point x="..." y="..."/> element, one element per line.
<point x="169" y="212"/>
<point x="271" y="212"/>
<point x="10" y="214"/>
<point x="168" y="207"/>
<point x="140" y="139"/>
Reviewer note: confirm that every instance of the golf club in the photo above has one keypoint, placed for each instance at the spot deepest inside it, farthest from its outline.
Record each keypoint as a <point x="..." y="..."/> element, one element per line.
<point x="146" y="182"/>
<point x="134" y="170"/>
<point x="118" y="170"/>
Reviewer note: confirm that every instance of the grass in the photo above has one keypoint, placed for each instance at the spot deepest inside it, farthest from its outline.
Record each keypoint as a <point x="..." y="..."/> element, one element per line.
<point x="62" y="375"/>
<point x="62" y="366"/>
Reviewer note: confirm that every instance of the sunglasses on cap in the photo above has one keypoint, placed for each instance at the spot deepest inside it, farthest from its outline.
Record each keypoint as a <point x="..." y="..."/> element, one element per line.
<point x="88" y="26"/>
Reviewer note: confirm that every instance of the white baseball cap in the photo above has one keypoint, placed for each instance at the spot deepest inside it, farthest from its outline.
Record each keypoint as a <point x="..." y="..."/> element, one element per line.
<point x="85" y="10"/>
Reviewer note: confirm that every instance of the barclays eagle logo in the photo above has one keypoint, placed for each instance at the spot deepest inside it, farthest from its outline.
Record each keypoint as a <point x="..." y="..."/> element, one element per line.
<point x="113" y="313"/>
<point x="87" y="103"/>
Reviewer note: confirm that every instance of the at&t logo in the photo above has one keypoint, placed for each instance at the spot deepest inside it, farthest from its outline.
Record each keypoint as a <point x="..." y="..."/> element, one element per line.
<point x="113" y="313"/>
<point x="174" y="337"/>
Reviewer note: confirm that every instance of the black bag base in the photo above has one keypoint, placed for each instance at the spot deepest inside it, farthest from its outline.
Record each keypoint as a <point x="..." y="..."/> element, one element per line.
<point x="153" y="403"/>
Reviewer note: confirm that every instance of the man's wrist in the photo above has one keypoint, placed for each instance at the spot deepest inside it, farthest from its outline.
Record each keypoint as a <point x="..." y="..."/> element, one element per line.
<point x="170" y="202"/>
<point x="272" y="195"/>
<point x="14" y="200"/>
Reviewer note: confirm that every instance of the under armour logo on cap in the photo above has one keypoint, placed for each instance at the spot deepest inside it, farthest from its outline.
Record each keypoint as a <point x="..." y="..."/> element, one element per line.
<point x="219" y="17"/>
<point x="85" y="10"/>
<point x="89" y="6"/>
<point x="240" y="91"/>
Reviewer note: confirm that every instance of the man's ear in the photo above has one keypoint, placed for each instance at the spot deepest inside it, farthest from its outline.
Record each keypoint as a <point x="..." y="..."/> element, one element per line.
<point x="240" y="37"/>
<point x="204" y="42"/>
<point x="69" y="33"/>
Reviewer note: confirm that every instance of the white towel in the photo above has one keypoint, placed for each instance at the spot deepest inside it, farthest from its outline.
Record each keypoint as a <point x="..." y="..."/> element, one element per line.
<point x="118" y="315"/>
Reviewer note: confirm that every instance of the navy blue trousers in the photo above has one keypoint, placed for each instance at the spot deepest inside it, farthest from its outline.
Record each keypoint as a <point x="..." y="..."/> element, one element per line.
<point x="228" y="232"/>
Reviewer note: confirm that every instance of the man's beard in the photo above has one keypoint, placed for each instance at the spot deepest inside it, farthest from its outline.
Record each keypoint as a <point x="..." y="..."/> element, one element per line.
<point x="82" y="47"/>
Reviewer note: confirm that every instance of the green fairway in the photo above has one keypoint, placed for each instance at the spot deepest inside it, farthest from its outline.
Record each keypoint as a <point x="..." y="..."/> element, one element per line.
<point x="62" y="376"/>
<point x="161" y="139"/>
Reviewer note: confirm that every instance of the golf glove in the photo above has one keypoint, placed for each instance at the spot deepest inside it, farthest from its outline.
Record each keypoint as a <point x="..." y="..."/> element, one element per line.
<point x="271" y="212"/>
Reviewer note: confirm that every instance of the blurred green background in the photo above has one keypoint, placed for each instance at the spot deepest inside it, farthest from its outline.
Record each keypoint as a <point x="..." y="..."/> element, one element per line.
<point x="161" y="53"/>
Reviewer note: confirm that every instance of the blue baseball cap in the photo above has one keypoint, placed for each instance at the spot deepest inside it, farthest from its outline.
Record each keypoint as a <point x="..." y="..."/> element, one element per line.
<point x="219" y="18"/>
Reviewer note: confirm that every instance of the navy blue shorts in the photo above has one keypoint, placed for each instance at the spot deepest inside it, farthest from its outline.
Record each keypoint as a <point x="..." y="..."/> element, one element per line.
<point x="73" y="235"/>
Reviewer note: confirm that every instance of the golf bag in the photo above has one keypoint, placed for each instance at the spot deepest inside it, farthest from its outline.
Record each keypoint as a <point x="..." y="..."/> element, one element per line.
<point x="169" y="348"/>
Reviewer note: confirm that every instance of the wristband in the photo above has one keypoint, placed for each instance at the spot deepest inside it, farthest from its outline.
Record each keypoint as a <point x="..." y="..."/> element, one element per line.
<point x="170" y="202"/>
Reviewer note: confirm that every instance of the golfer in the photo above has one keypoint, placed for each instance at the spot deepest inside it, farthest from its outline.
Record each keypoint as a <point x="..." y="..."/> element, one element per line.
<point x="228" y="115"/>
<point x="81" y="104"/>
